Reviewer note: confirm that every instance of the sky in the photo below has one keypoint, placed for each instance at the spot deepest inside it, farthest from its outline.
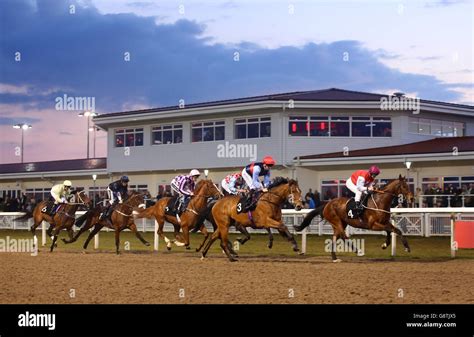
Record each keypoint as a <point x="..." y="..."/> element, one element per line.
<point x="131" y="54"/>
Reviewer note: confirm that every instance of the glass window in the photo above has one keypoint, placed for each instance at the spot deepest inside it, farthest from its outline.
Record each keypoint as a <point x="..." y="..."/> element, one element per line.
<point x="361" y="126"/>
<point x="436" y="128"/>
<point x="129" y="137"/>
<point x="448" y="129"/>
<point x="340" y="127"/>
<point x="208" y="131"/>
<point x="298" y="126"/>
<point x="256" y="127"/>
<point x="381" y="127"/>
<point x="458" y="129"/>
<point x="319" y="127"/>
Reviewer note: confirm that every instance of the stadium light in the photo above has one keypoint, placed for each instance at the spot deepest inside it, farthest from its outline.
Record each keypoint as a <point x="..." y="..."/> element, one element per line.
<point x="94" y="177"/>
<point x="22" y="127"/>
<point x="206" y="173"/>
<point x="89" y="114"/>
<point x="408" y="164"/>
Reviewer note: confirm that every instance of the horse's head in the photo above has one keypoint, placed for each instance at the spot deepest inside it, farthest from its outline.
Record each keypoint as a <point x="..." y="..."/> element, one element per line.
<point x="287" y="189"/>
<point x="135" y="199"/>
<point x="82" y="198"/>
<point x="207" y="189"/>
<point x="400" y="186"/>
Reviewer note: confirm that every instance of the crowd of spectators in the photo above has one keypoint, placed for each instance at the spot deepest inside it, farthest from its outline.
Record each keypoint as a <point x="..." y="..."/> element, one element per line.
<point x="450" y="196"/>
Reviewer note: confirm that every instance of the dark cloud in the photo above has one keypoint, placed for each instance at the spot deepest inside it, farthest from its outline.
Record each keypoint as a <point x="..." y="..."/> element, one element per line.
<point x="18" y="120"/>
<point x="83" y="54"/>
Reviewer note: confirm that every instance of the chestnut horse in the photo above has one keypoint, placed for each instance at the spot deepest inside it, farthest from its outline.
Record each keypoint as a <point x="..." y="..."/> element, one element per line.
<point x="376" y="216"/>
<point x="122" y="218"/>
<point x="267" y="214"/>
<point x="63" y="218"/>
<point x="204" y="190"/>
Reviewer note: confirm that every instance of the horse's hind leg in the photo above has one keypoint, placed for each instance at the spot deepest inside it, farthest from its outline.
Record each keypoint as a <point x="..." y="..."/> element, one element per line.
<point x="388" y="240"/>
<point x="209" y="243"/>
<point x="133" y="228"/>
<point x="55" y="237"/>
<point x="117" y="241"/>
<point x="96" y="230"/>
<point x="204" y="232"/>
<point x="244" y="231"/>
<point x="402" y="237"/>
<point x="225" y="245"/>
<point x="270" y="238"/>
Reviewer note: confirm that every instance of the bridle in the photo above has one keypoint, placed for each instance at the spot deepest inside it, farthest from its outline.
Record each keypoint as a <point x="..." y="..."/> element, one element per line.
<point x="203" y="196"/>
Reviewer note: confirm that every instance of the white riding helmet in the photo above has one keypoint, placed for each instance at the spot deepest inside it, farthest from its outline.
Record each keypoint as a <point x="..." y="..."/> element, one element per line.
<point x="67" y="183"/>
<point x="194" y="172"/>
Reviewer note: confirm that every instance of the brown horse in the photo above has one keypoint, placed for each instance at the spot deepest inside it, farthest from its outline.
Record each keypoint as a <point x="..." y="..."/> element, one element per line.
<point x="376" y="215"/>
<point x="204" y="190"/>
<point x="267" y="214"/>
<point x="63" y="218"/>
<point x="122" y="218"/>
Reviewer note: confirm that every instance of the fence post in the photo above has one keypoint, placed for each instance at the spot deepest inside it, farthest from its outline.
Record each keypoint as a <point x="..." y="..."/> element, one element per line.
<point x="427" y="219"/>
<point x="453" y="243"/>
<point x="320" y="227"/>
<point x="96" y="241"/>
<point x="303" y="241"/>
<point x="43" y="233"/>
<point x="144" y="224"/>
<point x="394" y="239"/>
<point x="156" y="237"/>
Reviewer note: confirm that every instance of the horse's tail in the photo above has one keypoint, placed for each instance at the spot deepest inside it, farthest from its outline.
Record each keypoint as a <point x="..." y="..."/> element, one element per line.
<point x="24" y="217"/>
<point x="146" y="213"/>
<point x="307" y="219"/>
<point x="79" y="221"/>
<point x="206" y="215"/>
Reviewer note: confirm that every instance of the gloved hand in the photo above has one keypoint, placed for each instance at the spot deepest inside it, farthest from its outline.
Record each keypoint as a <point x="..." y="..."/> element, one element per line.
<point x="264" y="189"/>
<point x="120" y="201"/>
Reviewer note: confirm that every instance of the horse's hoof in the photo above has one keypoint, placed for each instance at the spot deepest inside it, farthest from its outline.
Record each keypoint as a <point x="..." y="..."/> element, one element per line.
<point x="168" y="248"/>
<point x="147" y="244"/>
<point x="384" y="246"/>
<point x="408" y="250"/>
<point x="203" y="258"/>
<point x="336" y="260"/>
<point x="233" y="260"/>
<point x="197" y="250"/>
<point x="84" y="252"/>
<point x="270" y="246"/>
<point x="296" y="249"/>
<point x="300" y="253"/>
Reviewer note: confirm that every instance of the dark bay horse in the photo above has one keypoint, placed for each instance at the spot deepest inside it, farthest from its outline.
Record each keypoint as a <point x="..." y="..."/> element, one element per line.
<point x="64" y="218"/>
<point x="204" y="190"/>
<point x="376" y="216"/>
<point x="122" y="218"/>
<point x="267" y="214"/>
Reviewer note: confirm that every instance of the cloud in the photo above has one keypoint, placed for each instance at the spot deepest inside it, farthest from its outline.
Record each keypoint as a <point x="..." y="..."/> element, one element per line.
<point x="10" y="121"/>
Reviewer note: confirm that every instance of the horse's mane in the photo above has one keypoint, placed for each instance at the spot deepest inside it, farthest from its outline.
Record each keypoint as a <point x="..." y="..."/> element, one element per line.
<point x="277" y="181"/>
<point x="199" y="185"/>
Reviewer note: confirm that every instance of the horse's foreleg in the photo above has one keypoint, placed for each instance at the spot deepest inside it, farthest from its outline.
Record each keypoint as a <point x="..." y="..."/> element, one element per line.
<point x="204" y="232"/>
<point x="402" y="237"/>
<point x="161" y="234"/>
<point x="270" y="238"/>
<point x="55" y="237"/>
<point x="225" y="245"/>
<point x="209" y="243"/>
<point x="283" y="230"/>
<point x="388" y="240"/>
<point x="133" y="228"/>
<point x="185" y="229"/>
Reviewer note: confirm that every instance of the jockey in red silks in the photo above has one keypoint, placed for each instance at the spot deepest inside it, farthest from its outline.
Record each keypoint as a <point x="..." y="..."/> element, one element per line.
<point x="362" y="181"/>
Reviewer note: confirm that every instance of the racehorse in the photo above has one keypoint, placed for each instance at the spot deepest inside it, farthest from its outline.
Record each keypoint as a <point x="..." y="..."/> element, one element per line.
<point x="267" y="214"/>
<point x="121" y="218"/>
<point x="376" y="215"/>
<point x="204" y="190"/>
<point x="63" y="218"/>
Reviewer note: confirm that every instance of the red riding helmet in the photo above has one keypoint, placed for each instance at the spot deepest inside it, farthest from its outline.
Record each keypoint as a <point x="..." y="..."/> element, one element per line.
<point x="268" y="160"/>
<point x="374" y="170"/>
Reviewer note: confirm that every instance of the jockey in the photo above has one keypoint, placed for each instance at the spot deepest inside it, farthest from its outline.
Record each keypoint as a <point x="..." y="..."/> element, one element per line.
<point x="233" y="183"/>
<point x="117" y="191"/>
<point x="251" y="174"/>
<point x="362" y="181"/>
<point x="184" y="186"/>
<point x="60" y="194"/>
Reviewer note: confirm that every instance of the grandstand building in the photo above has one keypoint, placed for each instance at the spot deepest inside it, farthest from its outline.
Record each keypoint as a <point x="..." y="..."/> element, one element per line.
<point x="318" y="137"/>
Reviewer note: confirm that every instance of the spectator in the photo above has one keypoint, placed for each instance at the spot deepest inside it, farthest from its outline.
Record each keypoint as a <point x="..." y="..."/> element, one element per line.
<point x="309" y="201"/>
<point x="310" y="194"/>
<point x="317" y="199"/>
<point x="3" y="205"/>
<point x="418" y="197"/>
<point x="429" y="200"/>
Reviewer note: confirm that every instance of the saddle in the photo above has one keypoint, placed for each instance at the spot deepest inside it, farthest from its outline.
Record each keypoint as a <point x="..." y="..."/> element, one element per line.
<point x="244" y="204"/>
<point x="48" y="208"/>
<point x="351" y="209"/>
<point x="171" y="207"/>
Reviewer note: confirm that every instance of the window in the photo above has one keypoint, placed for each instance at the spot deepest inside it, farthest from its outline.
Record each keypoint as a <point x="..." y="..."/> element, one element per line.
<point x="410" y="182"/>
<point x="208" y="131"/>
<point x="128" y="137"/>
<point x="340" y="127"/>
<point x="336" y="188"/>
<point x="167" y="134"/>
<point x="101" y="191"/>
<point x="139" y="188"/>
<point x="164" y="190"/>
<point x="435" y="127"/>
<point x="361" y="126"/>
<point x="298" y="126"/>
<point x="38" y="193"/>
<point x="429" y="183"/>
<point x="319" y="126"/>
<point x="381" y="127"/>
<point x="323" y="126"/>
<point x="258" y="127"/>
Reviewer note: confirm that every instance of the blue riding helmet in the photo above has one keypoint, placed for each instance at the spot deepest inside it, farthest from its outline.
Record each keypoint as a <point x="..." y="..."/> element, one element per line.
<point x="124" y="179"/>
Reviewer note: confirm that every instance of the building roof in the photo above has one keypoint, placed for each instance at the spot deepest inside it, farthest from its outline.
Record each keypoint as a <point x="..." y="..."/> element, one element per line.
<point x="332" y="94"/>
<point x="58" y="165"/>
<point x="436" y="145"/>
